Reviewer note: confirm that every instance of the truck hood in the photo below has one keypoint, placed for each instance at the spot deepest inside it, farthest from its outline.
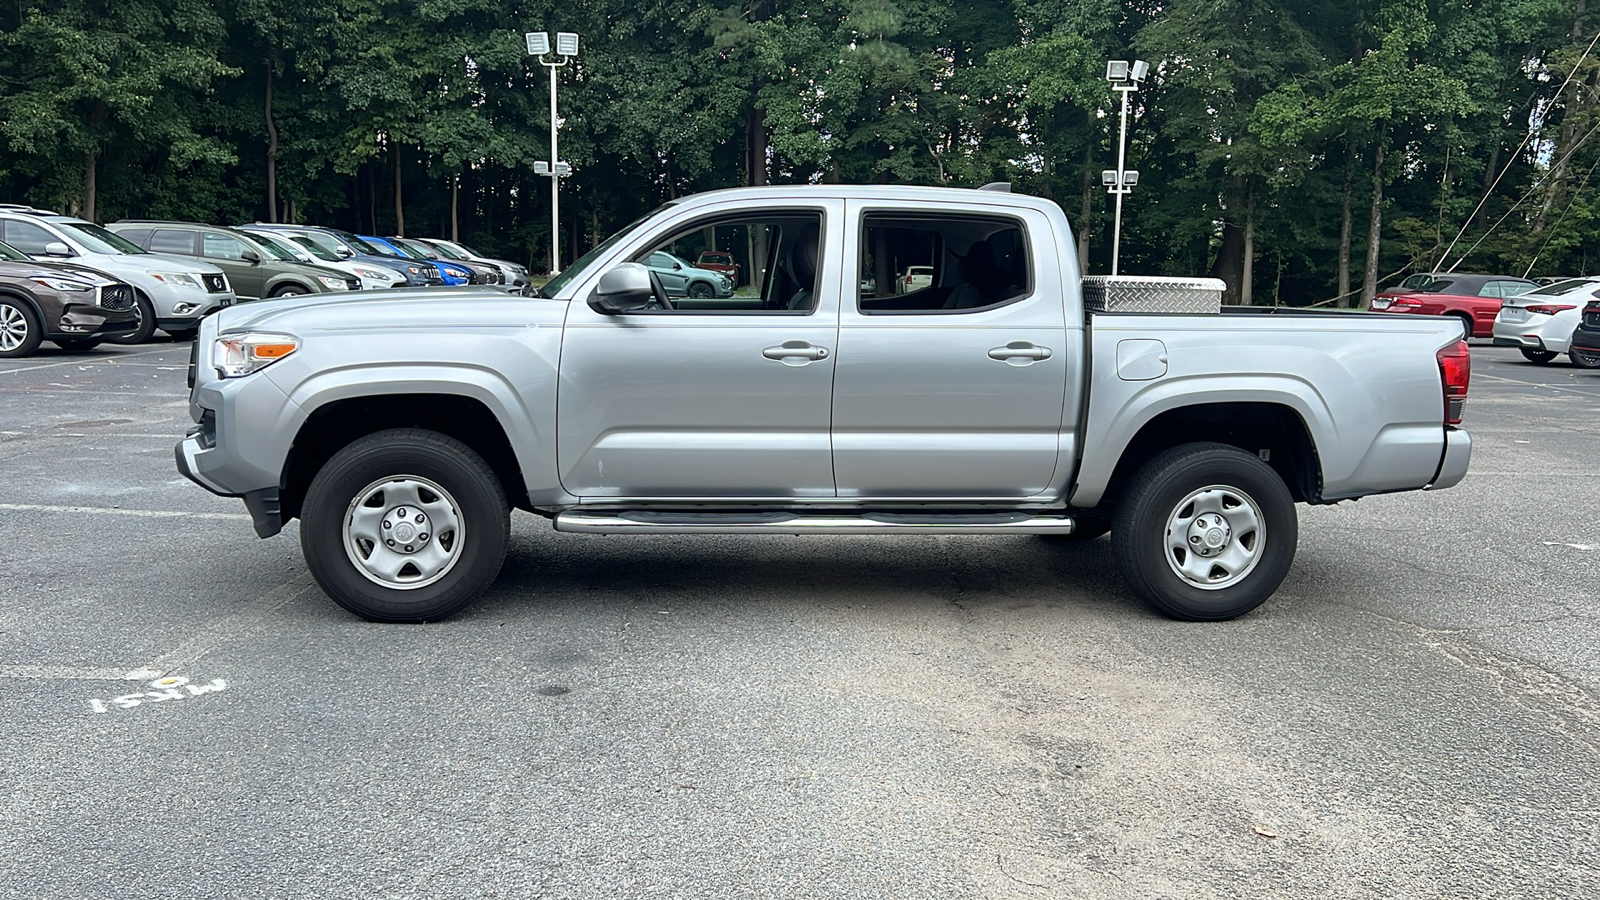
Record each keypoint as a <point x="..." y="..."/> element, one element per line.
<point x="393" y="309"/>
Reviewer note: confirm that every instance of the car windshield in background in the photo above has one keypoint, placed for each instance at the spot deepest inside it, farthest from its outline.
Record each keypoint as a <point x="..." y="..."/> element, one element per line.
<point x="360" y="246"/>
<point x="1560" y="287"/>
<point x="415" y="249"/>
<point x="572" y="271"/>
<point x="273" y="248"/>
<point x="1416" y="282"/>
<point x="384" y="250"/>
<point x="446" y="251"/>
<point x="1436" y="286"/>
<point x="12" y="254"/>
<point x="99" y="240"/>
<point x="277" y="246"/>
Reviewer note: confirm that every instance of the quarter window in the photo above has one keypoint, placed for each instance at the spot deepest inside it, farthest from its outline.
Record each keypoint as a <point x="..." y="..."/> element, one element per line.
<point x="168" y="240"/>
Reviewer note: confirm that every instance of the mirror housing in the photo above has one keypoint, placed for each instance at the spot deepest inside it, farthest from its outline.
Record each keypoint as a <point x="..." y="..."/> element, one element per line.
<point x="343" y="252"/>
<point x="57" y="248"/>
<point x="623" y="288"/>
<point x="251" y="257"/>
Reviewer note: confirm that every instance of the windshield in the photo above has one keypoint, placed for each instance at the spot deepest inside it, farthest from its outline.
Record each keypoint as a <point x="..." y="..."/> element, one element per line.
<point x="273" y="249"/>
<point x="99" y="240"/>
<point x="294" y="251"/>
<point x="361" y="246"/>
<point x="11" y="253"/>
<point x="562" y="279"/>
<point x="413" y="248"/>
<point x="445" y="250"/>
<point x="1560" y="287"/>
<point x="384" y="248"/>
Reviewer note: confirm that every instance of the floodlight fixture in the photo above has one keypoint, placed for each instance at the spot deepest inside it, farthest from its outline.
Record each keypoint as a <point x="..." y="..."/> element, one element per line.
<point x="538" y="42"/>
<point x="1108" y="177"/>
<point x="1130" y="177"/>
<point x="1140" y="70"/>
<point x="567" y="43"/>
<point x="1117" y="70"/>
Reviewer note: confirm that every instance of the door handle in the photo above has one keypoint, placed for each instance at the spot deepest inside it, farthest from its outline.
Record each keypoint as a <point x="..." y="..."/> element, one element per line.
<point x="795" y="349"/>
<point x="1020" y="350"/>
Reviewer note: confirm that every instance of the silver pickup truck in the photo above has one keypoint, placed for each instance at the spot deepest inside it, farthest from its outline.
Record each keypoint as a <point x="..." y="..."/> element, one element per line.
<point x="401" y="428"/>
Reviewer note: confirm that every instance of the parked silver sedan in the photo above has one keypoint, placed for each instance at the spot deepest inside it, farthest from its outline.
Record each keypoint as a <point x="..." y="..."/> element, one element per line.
<point x="1540" y="323"/>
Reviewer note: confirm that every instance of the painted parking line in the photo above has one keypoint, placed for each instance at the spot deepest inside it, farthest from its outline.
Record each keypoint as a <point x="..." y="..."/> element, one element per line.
<point x="112" y="511"/>
<point x="80" y="362"/>
<point x="231" y="627"/>
<point x="1548" y="387"/>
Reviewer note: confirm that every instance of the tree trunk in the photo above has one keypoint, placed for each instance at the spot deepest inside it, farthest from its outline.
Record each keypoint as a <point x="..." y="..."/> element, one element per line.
<point x="1230" y="255"/>
<point x="1247" y="273"/>
<point x="89" y="189"/>
<point x="272" y="154"/>
<point x="399" y="207"/>
<point x="1346" y="220"/>
<point x="755" y="148"/>
<point x="455" y="208"/>
<point x="1369" y="278"/>
<point x="372" y="197"/>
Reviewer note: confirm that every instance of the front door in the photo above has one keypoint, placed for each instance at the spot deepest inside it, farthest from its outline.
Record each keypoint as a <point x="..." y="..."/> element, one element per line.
<point x="227" y="253"/>
<point x="728" y="402"/>
<point x="954" y="388"/>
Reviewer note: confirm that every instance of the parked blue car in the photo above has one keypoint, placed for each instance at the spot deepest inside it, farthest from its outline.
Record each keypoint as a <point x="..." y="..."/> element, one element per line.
<point x="452" y="273"/>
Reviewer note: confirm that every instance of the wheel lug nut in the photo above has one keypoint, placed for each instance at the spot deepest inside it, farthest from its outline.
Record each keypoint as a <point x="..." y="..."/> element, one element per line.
<point x="401" y="512"/>
<point x="408" y="548"/>
<point x="419" y="518"/>
<point x="390" y="542"/>
<point x="423" y="536"/>
<point x="385" y="523"/>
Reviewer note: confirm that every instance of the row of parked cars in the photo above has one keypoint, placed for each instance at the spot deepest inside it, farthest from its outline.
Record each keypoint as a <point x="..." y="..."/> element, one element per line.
<point x="1544" y="321"/>
<point x="77" y="284"/>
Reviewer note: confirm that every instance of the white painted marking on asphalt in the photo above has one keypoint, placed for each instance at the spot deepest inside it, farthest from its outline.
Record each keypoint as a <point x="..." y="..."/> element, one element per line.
<point x="1564" y="390"/>
<point x="233" y="626"/>
<point x="73" y="362"/>
<point x="109" y="511"/>
<point x="165" y="689"/>
<point x="202" y="643"/>
<point x="1585" y="547"/>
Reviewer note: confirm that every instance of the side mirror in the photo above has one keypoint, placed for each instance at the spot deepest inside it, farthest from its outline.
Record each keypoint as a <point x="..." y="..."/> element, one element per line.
<point x="344" y="252"/>
<point x="678" y="266"/>
<point x="251" y="257"/>
<point x="57" y="248"/>
<point x="623" y="288"/>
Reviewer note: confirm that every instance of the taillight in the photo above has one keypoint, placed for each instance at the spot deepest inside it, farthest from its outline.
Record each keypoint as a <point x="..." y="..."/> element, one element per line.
<point x="1407" y="303"/>
<point x="1455" y="370"/>
<point x="1550" y="309"/>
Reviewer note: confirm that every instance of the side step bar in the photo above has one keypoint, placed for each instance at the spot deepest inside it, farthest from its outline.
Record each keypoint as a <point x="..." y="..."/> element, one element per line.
<point x="667" y="522"/>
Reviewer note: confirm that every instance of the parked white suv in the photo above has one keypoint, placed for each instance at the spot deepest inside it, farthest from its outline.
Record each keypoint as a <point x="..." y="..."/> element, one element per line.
<point x="172" y="292"/>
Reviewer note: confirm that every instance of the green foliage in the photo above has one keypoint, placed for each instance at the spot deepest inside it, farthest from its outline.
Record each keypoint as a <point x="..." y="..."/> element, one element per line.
<point x="1271" y="114"/>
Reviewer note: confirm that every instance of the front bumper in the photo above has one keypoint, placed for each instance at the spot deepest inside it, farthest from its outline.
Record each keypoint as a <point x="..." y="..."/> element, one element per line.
<point x="87" y="321"/>
<point x="266" y="513"/>
<point x="1453" y="465"/>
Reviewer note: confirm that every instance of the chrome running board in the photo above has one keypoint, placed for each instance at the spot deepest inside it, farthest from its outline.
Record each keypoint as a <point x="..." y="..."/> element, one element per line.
<point x="669" y="522"/>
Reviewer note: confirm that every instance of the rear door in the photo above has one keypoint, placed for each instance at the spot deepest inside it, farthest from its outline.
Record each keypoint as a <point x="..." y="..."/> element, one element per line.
<point x="956" y="389"/>
<point x="227" y="253"/>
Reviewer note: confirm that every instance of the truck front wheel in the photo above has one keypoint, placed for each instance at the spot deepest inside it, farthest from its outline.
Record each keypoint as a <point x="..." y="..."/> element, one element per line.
<point x="1205" y="532"/>
<point x="405" y="525"/>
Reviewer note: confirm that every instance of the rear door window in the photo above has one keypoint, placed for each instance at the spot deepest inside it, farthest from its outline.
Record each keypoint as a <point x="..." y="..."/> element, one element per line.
<point x="172" y="240"/>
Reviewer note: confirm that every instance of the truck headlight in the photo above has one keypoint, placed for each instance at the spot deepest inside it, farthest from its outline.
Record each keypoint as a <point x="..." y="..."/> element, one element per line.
<point x="236" y="355"/>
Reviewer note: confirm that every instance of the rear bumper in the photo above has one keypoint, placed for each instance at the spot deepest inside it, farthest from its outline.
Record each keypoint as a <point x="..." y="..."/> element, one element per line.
<point x="1453" y="465"/>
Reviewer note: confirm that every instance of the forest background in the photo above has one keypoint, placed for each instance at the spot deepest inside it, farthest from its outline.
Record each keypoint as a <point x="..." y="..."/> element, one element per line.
<point x="1306" y="151"/>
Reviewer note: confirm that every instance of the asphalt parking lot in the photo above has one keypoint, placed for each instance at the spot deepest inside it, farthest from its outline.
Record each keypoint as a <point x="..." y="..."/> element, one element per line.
<point x="1413" y="715"/>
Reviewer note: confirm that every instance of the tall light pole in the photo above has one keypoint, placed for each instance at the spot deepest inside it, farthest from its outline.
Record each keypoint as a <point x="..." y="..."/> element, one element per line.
<point x="566" y="48"/>
<point x="1124" y="80"/>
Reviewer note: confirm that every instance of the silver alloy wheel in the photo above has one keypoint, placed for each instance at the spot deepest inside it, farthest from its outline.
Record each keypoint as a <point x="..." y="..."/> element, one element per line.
<point x="1215" y="536"/>
<point x="13" y="327"/>
<point x="404" y="532"/>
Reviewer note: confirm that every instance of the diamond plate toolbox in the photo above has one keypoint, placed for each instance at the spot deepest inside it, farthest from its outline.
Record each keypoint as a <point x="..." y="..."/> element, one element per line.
<point x="1152" y="294"/>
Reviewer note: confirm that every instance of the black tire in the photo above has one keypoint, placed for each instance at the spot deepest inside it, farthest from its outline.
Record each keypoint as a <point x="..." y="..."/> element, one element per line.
<point x="1466" y="322"/>
<point x="20" y="332"/>
<point x="396" y="454"/>
<point x="1542" y="357"/>
<point x="1139" y="534"/>
<point x="182" y="334"/>
<point x="1085" y="528"/>
<point x="700" y="290"/>
<point x="289" y="290"/>
<point x="77" y="345"/>
<point x="147" y="322"/>
<point x="1584" y="359"/>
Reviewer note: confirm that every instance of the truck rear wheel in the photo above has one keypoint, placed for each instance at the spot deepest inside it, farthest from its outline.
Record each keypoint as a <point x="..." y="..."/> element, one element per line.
<point x="405" y="525"/>
<point x="1205" y="532"/>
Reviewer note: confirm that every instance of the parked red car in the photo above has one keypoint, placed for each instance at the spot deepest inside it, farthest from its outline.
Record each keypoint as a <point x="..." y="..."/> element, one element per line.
<point x="1475" y="299"/>
<point x="718" y="261"/>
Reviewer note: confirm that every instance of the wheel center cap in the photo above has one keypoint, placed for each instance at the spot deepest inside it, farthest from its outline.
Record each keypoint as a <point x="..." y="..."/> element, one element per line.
<point x="404" y="531"/>
<point x="1209" y="534"/>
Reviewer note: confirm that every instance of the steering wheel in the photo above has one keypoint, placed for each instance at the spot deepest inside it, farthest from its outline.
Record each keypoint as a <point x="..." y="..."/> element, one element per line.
<point x="659" y="289"/>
